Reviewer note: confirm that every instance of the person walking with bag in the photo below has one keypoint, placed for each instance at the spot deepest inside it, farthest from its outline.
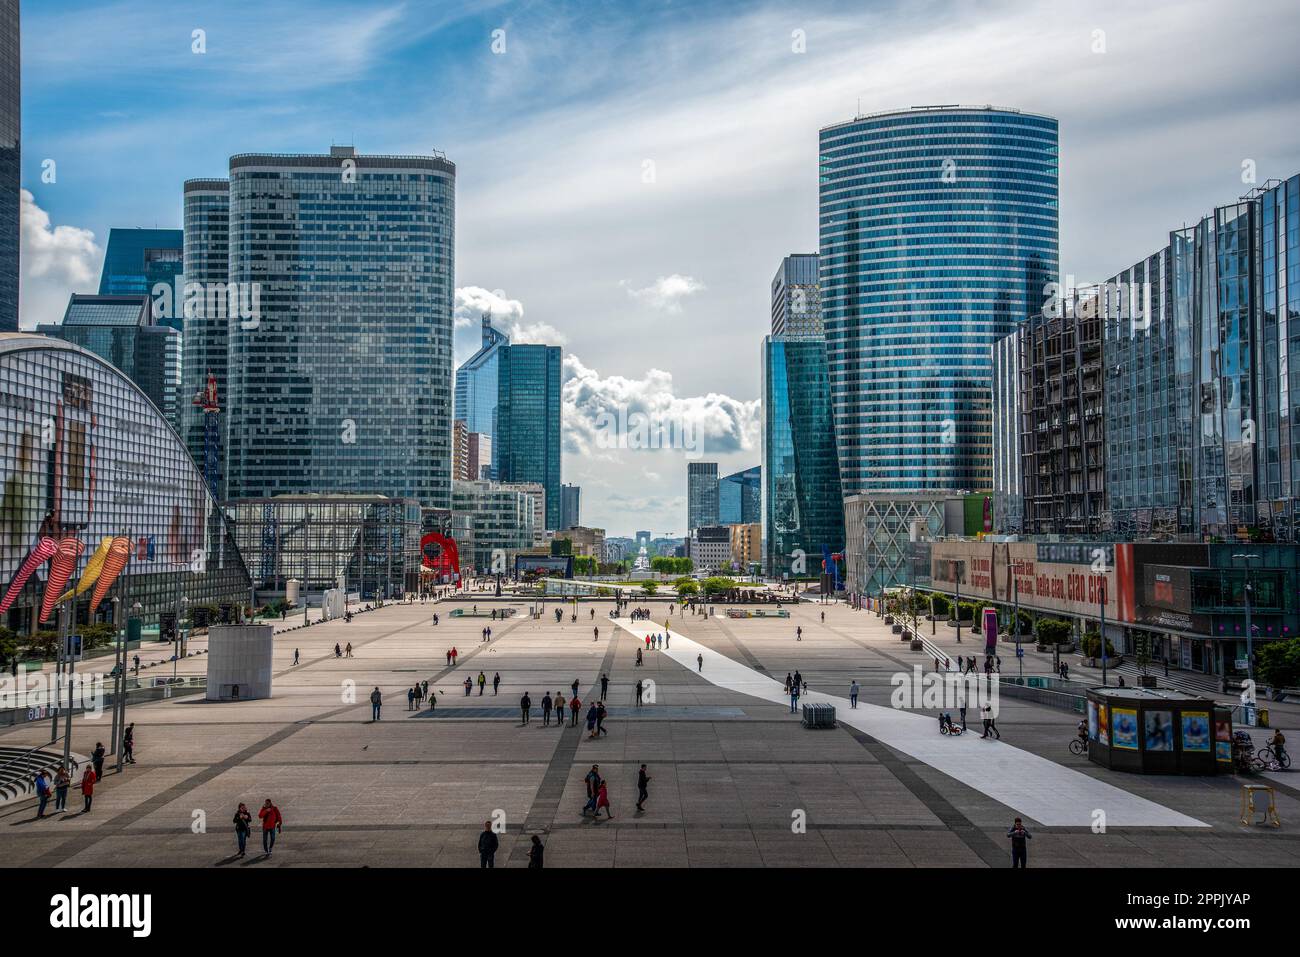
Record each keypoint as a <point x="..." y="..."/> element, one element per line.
<point x="243" y="827"/>
<point x="272" y="824"/>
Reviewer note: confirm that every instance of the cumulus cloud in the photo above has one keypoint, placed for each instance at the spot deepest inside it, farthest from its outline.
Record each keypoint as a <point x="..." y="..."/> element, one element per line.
<point x="607" y="413"/>
<point x="507" y="316"/>
<point x="56" y="262"/>
<point x="667" y="292"/>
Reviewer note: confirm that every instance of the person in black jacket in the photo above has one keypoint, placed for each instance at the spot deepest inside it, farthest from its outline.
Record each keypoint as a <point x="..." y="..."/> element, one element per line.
<point x="487" y="846"/>
<point x="535" y="853"/>
<point x="243" y="826"/>
<point x="1019" y="834"/>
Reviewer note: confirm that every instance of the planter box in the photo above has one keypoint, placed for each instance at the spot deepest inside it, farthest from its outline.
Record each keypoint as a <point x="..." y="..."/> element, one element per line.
<point x="898" y="629"/>
<point x="889" y="619"/>
<point x="1146" y="681"/>
<point x="917" y="645"/>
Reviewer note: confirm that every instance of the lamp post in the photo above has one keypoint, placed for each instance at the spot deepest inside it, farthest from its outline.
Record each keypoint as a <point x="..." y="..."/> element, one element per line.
<point x="119" y="671"/>
<point x="1250" y="647"/>
<point x="1015" y="614"/>
<point x="1102" y="635"/>
<point x="176" y="656"/>
<point x="957" y="601"/>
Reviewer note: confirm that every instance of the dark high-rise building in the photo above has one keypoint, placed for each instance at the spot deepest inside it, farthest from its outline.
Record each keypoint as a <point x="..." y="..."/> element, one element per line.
<point x="570" y="506"/>
<point x="10" y="161"/>
<point x="526" y="447"/>
<point x="121" y="330"/>
<point x="740" y="497"/>
<point x="339" y="355"/>
<point x="701" y="494"/>
<point x="796" y="304"/>
<point x="206" y="266"/>
<point x="804" y="508"/>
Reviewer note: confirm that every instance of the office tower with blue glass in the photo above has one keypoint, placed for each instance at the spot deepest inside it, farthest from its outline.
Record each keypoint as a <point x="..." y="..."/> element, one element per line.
<point x="10" y="161"/>
<point x="122" y="330"/>
<point x="206" y="265"/>
<point x="701" y="494"/>
<point x="476" y="383"/>
<point x="804" y="509"/>
<point x="938" y="233"/>
<point x="340" y="379"/>
<point x="526" y="446"/>
<point x="137" y="262"/>
<point x="740" y="497"/>
<point x="796" y="303"/>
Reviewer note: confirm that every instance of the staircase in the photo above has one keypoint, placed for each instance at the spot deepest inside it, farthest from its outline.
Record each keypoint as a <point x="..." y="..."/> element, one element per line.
<point x="18" y="767"/>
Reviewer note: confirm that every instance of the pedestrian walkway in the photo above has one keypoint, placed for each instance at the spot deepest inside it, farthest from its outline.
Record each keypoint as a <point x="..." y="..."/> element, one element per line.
<point x="1032" y="786"/>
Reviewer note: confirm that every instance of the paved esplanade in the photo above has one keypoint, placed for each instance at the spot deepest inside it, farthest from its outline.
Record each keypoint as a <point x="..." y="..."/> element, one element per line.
<point x="1031" y="786"/>
<point x="736" y="779"/>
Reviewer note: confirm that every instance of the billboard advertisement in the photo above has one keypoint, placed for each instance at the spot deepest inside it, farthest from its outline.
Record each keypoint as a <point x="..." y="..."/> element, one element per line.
<point x="532" y="567"/>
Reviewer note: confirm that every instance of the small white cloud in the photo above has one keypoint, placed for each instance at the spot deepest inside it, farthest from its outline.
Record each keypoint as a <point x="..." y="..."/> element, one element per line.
<point x="474" y="302"/>
<point x="667" y="292"/>
<point x="56" y="262"/>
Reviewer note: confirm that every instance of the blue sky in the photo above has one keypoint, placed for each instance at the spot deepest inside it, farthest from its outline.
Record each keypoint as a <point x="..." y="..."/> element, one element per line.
<point x="658" y="290"/>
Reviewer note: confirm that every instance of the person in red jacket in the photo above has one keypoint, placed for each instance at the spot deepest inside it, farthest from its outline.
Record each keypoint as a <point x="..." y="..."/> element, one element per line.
<point x="88" y="787"/>
<point x="272" y="823"/>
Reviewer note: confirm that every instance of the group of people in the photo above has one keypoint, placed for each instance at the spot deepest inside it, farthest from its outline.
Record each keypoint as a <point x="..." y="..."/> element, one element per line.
<point x="61" y="782"/>
<point x="987" y="716"/>
<point x="452" y="653"/>
<point x="416" y="694"/>
<point x="272" y="824"/>
<point x="338" y="652"/>
<point x="795" y="685"/>
<point x="487" y="632"/>
<point x="639" y="614"/>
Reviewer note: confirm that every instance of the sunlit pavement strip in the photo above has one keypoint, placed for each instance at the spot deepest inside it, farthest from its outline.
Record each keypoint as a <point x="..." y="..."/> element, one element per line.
<point x="1040" y="789"/>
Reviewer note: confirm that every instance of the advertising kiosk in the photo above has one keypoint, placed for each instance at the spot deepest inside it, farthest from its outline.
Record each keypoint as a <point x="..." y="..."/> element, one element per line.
<point x="1158" y="731"/>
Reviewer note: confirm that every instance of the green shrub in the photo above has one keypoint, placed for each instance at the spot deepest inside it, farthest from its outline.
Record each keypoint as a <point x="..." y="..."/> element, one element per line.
<point x="1092" y="646"/>
<point x="942" y="606"/>
<point x="1279" y="663"/>
<point x="1052" y="631"/>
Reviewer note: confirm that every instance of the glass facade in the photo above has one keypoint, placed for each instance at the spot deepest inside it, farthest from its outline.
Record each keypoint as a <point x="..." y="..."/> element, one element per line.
<point x="526" y="447"/>
<point x="804" y="508"/>
<point x="476" y="385"/>
<point x="85" y="455"/>
<point x="740" y="497"/>
<point x="367" y="544"/>
<point x="207" y="243"/>
<point x="120" y="329"/>
<point x="490" y="520"/>
<point x="342" y="381"/>
<point x="137" y="260"/>
<point x="1280" y="291"/>
<point x="701" y="494"/>
<point x="938" y="232"/>
<point x="796" y="303"/>
<point x="10" y="162"/>
<point x="570" y="506"/>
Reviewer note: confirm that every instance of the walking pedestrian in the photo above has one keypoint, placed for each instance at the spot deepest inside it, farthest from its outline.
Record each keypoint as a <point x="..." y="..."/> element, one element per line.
<point x="601" y="714"/>
<point x="604" y="686"/>
<point x="574" y="686"/>
<point x="295" y="656"/>
<point x="347" y="650"/>
<point x="591" y="780"/>
<point x="699" y="661"/>
<point x="536" y="853"/>
<point x="639" y="688"/>
<point x="62" y="781"/>
<point x="410" y="699"/>
<point x="487" y="846"/>
<point x="272" y="824"/>
<point x="1019" y="834"/>
<point x="97" y="758"/>
<point x="602" y="801"/>
<point x="853" y="694"/>
<point x="526" y="707"/>
<point x="88" y="780"/>
<point x="642" y="788"/>
<point x="990" y="723"/>
<point x="376" y="703"/>
<point x="546" y="710"/>
<point x="469" y="685"/>
<point x="496" y="682"/>
<point x="243" y="827"/>
<point x="591" y="721"/>
<point x="42" y="792"/>
<point x="482" y="683"/>
<point x="128" y="744"/>
<point x="574" y="707"/>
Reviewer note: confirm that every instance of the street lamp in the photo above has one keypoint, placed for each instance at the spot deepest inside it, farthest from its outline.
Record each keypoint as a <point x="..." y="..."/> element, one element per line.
<point x="176" y="655"/>
<point x="1250" y="656"/>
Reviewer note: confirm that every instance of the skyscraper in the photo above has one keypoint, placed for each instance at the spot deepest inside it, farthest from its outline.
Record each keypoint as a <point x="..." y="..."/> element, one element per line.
<point x="796" y="304"/>
<point x="10" y="161"/>
<point x="804" y="506"/>
<point x="570" y="506"/>
<point x="526" y="446"/>
<point x="340" y="376"/>
<point x="740" y="497"/>
<point x="938" y="234"/>
<point x="701" y="494"/>
<point x="206" y="265"/>
<point x="476" y="383"/>
<point x="137" y="260"/>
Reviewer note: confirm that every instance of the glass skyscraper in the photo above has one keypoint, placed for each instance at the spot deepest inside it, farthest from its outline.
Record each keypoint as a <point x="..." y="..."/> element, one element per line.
<point x="136" y="260"/>
<point x="938" y="232"/>
<point x="206" y="264"/>
<point x="340" y="375"/>
<point x="476" y="384"/>
<point x="701" y="495"/>
<point x="796" y="303"/>
<point x="804" y="508"/>
<point x="526" y="446"/>
<point x="740" y="497"/>
<point x="10" y="161"/>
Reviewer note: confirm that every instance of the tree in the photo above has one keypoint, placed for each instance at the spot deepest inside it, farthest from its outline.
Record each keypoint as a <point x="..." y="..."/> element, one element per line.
<point x="687" y="587"/>
<point x="1052" y="631"/>
<point x="1279" y="663"/>
<point x="561" y="546"/>
<point x="649" y="587"/>
<point x="717" y="585"/>
<point x="584" y="565"/>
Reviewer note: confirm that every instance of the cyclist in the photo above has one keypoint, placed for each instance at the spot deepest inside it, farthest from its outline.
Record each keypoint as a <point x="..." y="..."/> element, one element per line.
<point x="1278" y="744"/>
<point x="1083" y="732"/>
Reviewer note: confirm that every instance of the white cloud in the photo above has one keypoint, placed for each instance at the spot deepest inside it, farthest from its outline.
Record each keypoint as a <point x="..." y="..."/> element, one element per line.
<point x="667" y="292"/>
<point x="507" y="316"/>
<point x="56" y="261"/>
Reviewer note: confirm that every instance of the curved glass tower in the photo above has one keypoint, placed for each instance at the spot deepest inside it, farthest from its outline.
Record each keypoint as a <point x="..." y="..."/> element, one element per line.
<point x="938" y="233"/>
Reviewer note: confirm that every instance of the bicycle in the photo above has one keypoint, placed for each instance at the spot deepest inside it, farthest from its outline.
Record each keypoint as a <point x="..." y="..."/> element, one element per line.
<point x="1269" y="757"/>
<point x="952" y="729"/>
<point x="1078" y="746"/>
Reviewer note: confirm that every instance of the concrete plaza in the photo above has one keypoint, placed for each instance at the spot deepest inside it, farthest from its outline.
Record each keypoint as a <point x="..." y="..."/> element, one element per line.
<point x="734" y="773"/>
